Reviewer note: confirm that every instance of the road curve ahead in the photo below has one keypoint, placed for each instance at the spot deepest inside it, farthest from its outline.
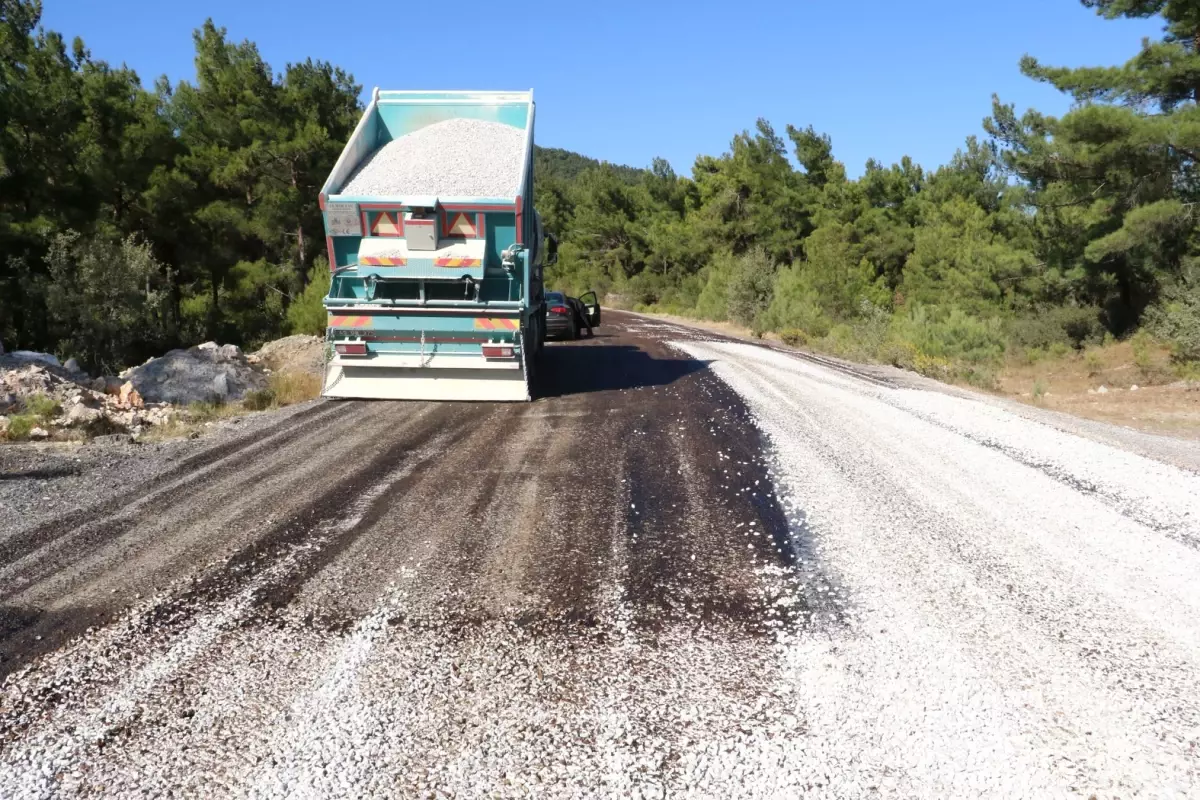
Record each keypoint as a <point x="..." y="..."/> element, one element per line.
<point x="694" y="567"/>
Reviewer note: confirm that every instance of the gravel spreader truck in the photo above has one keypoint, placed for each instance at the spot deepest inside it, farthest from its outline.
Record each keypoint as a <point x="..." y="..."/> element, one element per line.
<point x="436" y="251"/>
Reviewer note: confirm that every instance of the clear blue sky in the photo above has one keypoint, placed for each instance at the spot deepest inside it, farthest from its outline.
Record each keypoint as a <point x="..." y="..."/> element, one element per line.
<point x="627" y="81"/>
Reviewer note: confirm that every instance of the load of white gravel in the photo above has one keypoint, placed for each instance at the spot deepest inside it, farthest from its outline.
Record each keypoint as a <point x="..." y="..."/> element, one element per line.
<point x="455" y="158"/>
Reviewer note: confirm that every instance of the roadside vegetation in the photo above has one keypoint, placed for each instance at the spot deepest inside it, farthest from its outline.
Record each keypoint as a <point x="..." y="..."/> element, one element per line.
<point x="284" y="389"/>
<point x="1042" y="240"/>
<point x="139" y="217"/>
<point x="135" y="218"/>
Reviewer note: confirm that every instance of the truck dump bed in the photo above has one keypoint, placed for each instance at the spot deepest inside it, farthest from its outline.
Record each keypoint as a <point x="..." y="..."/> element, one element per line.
<point x="436" y="258"/>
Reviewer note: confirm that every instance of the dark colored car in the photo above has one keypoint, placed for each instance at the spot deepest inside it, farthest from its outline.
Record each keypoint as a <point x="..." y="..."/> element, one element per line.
<point x="567" y="317"/>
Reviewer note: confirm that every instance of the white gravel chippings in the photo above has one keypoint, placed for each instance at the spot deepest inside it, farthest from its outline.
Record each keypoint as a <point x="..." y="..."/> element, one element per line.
<point x="1025" y="603"/>
<point x="775" y="580"/>
<point x="454" y="158"/>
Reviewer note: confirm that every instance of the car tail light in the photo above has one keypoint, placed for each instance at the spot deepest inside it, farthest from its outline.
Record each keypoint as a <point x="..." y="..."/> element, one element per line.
<point x="495" y="350"/>
<point x="558" y="309"/>
<point x="351" y="348"/>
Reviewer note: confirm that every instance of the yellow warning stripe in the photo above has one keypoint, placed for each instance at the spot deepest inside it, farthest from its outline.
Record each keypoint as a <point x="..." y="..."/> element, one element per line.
<point x="496" y="324"/>
<point x="371" y="261"/>
<point x="457" y="262"/>
<point x="351" y="322"/>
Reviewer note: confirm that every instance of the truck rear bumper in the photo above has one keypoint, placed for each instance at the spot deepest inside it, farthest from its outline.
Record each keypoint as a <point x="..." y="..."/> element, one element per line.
<point x="396" y="376"/>
<point x="402" y="383"/>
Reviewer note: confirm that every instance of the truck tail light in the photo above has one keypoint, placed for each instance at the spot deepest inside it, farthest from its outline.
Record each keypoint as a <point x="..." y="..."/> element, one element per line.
<point x="497" y="350"/>
<point x="351" y="348"/>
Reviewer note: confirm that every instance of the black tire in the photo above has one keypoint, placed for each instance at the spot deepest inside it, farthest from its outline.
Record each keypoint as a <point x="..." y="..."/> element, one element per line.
<point x="531" y="354"/>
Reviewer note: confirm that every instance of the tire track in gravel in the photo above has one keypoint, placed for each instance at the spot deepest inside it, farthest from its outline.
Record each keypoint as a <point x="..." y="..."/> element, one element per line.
<point x="422" y="597"/>
<point x="258" y="577"/>
<point x="268" y="539"/>
<point x="90" y="526"/>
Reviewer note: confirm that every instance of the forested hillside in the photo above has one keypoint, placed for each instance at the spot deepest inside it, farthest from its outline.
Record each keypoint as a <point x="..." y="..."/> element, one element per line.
<point x="564" y="165"/>
<point x="136" y="218"/>
<point x="1044" y="234"/>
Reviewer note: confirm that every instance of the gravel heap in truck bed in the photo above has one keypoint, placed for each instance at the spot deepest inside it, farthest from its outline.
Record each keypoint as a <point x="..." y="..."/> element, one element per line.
<point x="455" y="158"/>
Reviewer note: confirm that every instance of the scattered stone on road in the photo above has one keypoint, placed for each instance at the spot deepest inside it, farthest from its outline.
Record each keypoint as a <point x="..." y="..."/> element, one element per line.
<point x="694" y="567"/>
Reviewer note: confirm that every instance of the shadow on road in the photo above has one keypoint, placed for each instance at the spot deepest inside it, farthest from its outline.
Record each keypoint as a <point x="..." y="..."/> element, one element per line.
<point x="581" y="369"/>
<point x="27" y="632"/>
<point x="44" y="473"/>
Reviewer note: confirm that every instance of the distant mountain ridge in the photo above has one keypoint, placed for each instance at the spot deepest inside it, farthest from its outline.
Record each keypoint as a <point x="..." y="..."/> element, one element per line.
<point x="568" y="165"/>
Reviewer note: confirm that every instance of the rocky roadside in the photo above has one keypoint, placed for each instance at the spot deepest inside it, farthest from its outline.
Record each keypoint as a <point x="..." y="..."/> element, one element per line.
<point x="44" y="400"/>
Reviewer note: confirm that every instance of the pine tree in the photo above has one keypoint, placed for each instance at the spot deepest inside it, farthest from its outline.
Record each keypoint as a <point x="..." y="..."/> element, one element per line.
<point x="1116" y="178"/>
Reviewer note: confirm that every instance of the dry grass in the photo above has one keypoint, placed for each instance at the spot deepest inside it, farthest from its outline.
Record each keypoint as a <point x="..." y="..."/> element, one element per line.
<point x="284" y="389"/>
<point x="1071" y="382"/>
<point x="175" y="428"/>
<point x="295" y="387"/>
<point x="1163" y="402"/>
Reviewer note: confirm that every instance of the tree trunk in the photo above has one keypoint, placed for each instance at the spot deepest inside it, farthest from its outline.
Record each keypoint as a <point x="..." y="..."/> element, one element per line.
<point x="302" y="266"/>
<point x="1196" y="51"/>
<point x="214" y="308"/>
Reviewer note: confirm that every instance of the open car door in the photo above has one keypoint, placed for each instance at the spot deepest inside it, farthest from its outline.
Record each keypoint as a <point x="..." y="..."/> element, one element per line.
<point x="591" y="307"/>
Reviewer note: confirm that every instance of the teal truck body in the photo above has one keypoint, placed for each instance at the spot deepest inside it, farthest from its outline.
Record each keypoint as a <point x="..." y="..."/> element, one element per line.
<point x="432" y="296"/>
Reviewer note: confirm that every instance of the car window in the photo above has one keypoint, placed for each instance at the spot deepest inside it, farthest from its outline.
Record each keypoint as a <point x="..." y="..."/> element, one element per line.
<point x="555" y="297"/>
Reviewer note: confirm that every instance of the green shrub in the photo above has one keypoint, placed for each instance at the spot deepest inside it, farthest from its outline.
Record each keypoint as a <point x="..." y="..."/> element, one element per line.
<point x="954" y="336"/>
<point x="872" y="327"/>
<point x="979" y="376"/>
<point x="19" y="426"/>
<point x="41" y="406"/>
<point x="306" y="314"/>
<point x="1177" y="320"/>
<point x="107" y="299"/>
<point x="933" y="366"/>
<point x="712" y="304"/>
<point x="793" y="337"/>
<point x="1091" y="360"/>
<point x="1039" y="389"/>
<point x="1057" y="329"/>
<point x="1034" y="355"/>
<point x="751" y="287"/>
<point x="796" y="305"/>
<point x="1140" y="342"/>
<point x="898" y="354"/>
